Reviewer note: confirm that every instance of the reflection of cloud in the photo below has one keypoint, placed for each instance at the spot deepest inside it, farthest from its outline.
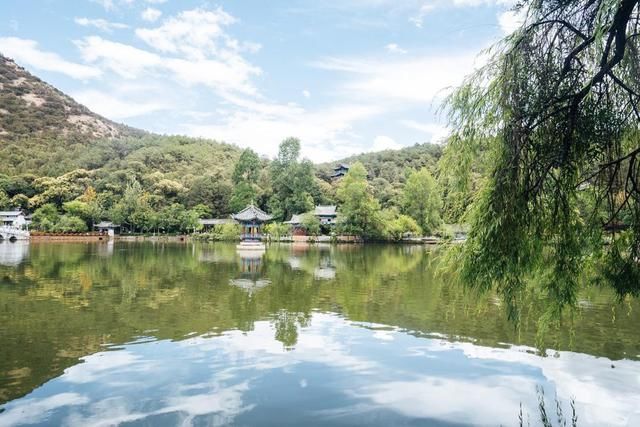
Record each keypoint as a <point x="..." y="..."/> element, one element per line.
<point x="604" y="396"/>
<point x="33" y="411"/>
<point x="102" y="364"/>
<point x="412" y="378"/>
<point x="493" y="401"/>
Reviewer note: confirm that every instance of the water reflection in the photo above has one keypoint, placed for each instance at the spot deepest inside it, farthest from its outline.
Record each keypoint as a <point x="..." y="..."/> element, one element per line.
<point x="251" y="277"/>
<point x="166" y="334"/>
<point x="13" y="253"/>
<point x="337" y="374"/>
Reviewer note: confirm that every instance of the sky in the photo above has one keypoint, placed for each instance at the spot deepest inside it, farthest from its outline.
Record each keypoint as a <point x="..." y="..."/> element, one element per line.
<point x="343" y="76"/>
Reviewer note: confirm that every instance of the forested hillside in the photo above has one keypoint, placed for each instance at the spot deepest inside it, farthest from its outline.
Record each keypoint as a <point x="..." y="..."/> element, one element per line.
<point x="30" y="107"/>
<point x="73" y="168"/>
<point x="387" y="170"/>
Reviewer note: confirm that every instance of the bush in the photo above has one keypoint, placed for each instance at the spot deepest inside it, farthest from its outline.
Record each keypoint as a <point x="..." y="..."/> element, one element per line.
<point x="70" y="224"/>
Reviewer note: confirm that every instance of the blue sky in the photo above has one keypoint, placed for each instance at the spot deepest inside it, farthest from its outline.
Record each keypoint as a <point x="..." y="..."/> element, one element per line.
<point x="345" y="76"/>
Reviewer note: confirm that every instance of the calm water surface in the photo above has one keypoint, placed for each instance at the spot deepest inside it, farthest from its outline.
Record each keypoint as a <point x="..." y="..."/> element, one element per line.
<point x="169" y="334"/>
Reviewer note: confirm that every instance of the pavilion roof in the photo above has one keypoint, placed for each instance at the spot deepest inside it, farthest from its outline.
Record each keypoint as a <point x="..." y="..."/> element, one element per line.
<point x="252" y="213"/>
<point x="295" y="220"/>
<point x="329" y="210"/>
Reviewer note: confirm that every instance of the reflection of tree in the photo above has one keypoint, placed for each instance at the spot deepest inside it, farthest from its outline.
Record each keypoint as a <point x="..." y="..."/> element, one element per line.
<point x="286" y="324"/>
<point x="67" y="300"/>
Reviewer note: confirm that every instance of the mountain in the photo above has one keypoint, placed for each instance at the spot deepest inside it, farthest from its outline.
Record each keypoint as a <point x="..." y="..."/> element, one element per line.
<point x="31" y="107"/>
<point x="52" y="148"/>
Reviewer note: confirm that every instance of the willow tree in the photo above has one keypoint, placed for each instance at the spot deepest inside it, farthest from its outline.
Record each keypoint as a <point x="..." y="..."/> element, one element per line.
<point x="556" y="105"/>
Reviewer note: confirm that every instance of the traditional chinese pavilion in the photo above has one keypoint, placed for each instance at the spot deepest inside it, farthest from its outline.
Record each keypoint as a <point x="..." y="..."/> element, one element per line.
<point x="252" y="219"/>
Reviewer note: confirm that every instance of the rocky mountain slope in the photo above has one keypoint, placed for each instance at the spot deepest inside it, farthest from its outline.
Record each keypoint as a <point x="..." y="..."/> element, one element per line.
<point x="30" y="106"/>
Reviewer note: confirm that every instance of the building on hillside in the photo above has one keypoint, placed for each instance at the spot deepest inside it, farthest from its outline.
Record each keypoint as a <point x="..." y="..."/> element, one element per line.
<point x="252" y="219"/>
<point x="327" y="215"/>
<point x="15" y="219"/>
<point x="340" y="171"/>
<point x="107" y="227"/>
<point x="209" y="224"/>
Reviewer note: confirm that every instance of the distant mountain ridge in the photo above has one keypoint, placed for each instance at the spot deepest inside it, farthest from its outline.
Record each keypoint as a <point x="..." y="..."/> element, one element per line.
<point x="45" y="132"/>
<point x="30" y="106"/>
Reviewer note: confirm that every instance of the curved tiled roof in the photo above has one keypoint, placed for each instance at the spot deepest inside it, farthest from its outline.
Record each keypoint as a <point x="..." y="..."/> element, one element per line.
<point x="325" y="210"/>
<point x="251" y="213"/>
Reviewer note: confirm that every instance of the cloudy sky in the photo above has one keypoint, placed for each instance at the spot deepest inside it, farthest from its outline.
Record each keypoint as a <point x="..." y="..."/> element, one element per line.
<point x="344" y="76"/>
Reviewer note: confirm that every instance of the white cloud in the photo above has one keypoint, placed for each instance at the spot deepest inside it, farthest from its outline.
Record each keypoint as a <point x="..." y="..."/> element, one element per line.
<point x="130" y="62"/>
<point x="36" y="410"/>
<point x="127" y="61"/>
<point x="421" y="79"/>
<point x="383" y="142"/>
<point x="326" y="133"/>
<point x="427" y="7"/>
<point x="150" y="14"/>
<point x="511" y="20"/>
<point x="101" y="24"/>
<point x="437" y="131"/>
<point x="27" y="52"/>
<point x="306" y="93"/>
<point x="394" y="48"/>
<point x="195" y="33"/>
<point x="118" y="108"/>
<point x="418" y="18"/>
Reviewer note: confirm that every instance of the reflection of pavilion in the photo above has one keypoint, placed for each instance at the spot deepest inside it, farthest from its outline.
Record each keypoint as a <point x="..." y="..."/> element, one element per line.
<point x="326" y="270"/>
<point x="250" y="279"/>
<point x="13" y="253"/>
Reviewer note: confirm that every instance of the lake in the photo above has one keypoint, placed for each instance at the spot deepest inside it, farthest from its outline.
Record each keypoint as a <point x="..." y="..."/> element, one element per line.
<point x="195" y="334"/>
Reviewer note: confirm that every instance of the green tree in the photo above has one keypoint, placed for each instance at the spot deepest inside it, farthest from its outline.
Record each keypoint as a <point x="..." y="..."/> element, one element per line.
<point x="245" y="178"/>
<point x="311" y="224"/>
<point x="247" y="168"/>
<point x="70" y="224"/>
<point x="293" y="182"/>
<point x="360" y="211"/>
<point x="214" y="191"/>
<point x="45" y="217"/>
<point x="421" y="200"/>
<point x="244" y="194"/>
<point x="4" y="200"/>
<point x="558" y="106"/>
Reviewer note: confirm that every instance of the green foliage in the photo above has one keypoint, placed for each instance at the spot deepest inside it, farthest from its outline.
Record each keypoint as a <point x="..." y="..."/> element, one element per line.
<point x="247" y="168"/>
<point x="556" y="112"/>
<point x="396" y="226"/>
<point x="360" y="211"/>
<point x="311" y="224"/>
<point x="277" y="229"/>
<point x="212" y="191"/>
<point x="390" y="165"/>
<point x="45" y="217"/>
<point x="421" y="200"/>
<point x="227" y="232"/>
<point x="293" y="184"/>
<point x="244" y="194"/>
<point x="4" y="200"/>
<point x="70" y="224"/>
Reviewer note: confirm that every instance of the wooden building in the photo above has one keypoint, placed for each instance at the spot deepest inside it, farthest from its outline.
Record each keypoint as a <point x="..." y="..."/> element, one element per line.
<point x="14" y="219"/>
<point x="326" y="214"/>
<point x="252" y="219"/>
<point x="340" y="171"/>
